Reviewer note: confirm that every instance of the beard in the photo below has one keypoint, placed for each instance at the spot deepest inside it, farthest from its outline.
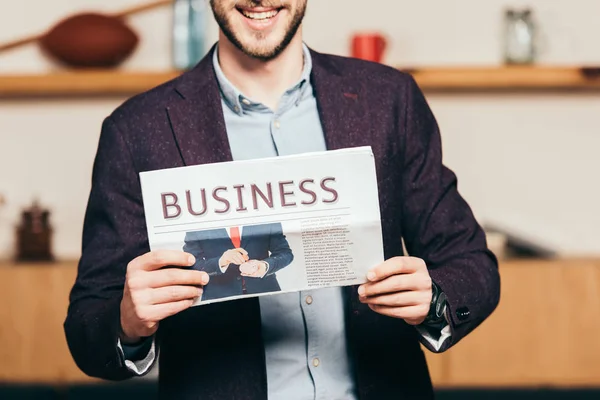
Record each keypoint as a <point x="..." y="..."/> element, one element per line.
<point x="257" y="45"/>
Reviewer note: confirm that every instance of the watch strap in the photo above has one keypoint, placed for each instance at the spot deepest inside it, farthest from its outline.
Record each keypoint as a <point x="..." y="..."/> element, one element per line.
<point x="438" y="304"/>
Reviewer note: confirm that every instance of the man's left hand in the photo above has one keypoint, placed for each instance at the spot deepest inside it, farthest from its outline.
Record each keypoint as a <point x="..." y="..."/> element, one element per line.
<point x="253" y="269"/>
<point x="399" y="288"/>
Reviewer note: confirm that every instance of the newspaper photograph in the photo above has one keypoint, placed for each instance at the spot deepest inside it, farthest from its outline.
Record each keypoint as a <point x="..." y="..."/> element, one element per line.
<point x="273" y="225"/>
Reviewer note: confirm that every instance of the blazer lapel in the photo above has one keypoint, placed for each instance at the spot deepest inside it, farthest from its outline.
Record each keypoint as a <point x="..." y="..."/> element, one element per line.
<point x="223" y="235"/>
<point x="196" y="117"/>
<point x="343" y="109"/>
<point x="342" y="105"/>
<point x="198" y="124"/>
<point x="247" y="232"/>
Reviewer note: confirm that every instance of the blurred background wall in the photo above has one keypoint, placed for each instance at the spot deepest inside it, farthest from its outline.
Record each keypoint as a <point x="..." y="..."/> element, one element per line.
<point x="526" y="162"/>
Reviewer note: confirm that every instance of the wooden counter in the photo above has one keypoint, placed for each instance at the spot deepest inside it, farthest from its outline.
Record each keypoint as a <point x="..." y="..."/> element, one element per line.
<point x="542" y="334"/>
<point x="33" y="304"/>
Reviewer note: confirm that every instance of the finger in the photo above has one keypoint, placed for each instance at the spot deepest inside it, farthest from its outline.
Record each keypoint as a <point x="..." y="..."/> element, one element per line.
<point x="394" y="266"/>
<point x="234" y="257"/>
<point x="244" y="254"/>
<point x="412" y="313"/>
<point x="393" y="284"/>
<point x="158" y="312"/>
<point x="170" y="294"/>
<point x="414" y="321"/>
<point x="248" y="270"/>
<point x="401" y="299"/>
<point x="176" y="276"/>
<point x="161" y="258"/>
<point x="241" y="251"/>
<point x="240" y="258"/>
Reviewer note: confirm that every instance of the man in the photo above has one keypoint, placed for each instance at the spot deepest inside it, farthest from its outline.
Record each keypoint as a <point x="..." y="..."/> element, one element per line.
<point x="240" y="260"/>
<point x="262" y="93"/>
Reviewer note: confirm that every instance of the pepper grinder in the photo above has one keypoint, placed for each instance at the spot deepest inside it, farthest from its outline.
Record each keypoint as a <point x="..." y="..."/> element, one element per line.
<point x="34" y="235"/>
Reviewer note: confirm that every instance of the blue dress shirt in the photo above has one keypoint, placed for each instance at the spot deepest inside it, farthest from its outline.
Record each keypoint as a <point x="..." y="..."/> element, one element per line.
<point x="303" y="333"/>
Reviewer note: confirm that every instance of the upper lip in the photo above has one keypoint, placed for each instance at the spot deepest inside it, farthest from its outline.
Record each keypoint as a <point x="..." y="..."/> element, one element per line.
<point x="258" y="9"/>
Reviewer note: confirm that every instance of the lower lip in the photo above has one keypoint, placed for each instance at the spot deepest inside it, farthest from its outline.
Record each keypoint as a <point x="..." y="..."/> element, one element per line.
<point x="261" y="24"/>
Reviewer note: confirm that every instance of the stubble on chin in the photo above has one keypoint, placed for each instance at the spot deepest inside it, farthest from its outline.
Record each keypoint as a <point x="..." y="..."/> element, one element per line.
<point x="260" y="49"/>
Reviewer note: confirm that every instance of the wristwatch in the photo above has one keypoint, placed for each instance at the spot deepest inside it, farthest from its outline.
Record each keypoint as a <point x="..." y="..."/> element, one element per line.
<point x="437" y="307"/>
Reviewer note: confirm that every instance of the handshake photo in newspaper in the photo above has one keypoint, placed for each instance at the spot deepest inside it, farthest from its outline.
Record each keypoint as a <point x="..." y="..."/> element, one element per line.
<point x="249" y="268"/>
<point x="240" y="260"/>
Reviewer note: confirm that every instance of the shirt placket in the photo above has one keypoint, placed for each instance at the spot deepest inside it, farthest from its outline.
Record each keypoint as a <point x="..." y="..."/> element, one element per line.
<point x="276" y="123"/>
<point x="313" y="342"/>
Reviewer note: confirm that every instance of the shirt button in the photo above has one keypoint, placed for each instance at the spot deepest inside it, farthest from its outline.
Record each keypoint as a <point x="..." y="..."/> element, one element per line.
<point x="276" y="124"/>
<point x="236" y="109"/>
<point x="316" y="362"/>
<point x="309" y="299"/>
<point x="246" y="102"/>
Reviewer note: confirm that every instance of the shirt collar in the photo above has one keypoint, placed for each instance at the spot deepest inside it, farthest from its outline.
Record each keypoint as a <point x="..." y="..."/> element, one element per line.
<point x="239" y="103"/>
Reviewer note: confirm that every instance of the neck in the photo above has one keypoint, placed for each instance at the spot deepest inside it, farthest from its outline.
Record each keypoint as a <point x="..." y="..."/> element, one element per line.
<point x="262" y="81"/>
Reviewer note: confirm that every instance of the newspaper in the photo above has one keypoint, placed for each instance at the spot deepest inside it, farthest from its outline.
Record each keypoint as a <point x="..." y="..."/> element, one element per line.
<point x="271" y="225"/>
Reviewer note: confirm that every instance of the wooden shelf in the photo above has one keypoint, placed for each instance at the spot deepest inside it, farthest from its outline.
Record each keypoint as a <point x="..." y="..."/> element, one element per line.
<point x="515" y="78"/>
<point x="82" y="83"/>
<point x="110" y="83"/>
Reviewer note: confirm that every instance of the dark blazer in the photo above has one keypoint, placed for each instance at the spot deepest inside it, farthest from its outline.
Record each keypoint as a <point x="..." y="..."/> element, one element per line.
<point x="203" y="355"/>
<point x="262" y="242"/>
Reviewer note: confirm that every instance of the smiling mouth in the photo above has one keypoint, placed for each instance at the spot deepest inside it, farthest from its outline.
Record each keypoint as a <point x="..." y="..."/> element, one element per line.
<point x="259" y="15"/>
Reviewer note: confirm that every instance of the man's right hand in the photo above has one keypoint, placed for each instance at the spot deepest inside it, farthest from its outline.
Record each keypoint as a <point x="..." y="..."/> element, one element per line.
<point x="152" y="293"/>
<point x="234" y="256"/>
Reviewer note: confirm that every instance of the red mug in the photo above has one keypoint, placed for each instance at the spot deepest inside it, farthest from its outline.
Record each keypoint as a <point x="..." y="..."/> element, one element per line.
<point x="368" y="46"/>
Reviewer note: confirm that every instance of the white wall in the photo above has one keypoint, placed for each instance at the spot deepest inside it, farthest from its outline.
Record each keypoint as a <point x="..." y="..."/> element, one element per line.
<point x="526" y="161"/>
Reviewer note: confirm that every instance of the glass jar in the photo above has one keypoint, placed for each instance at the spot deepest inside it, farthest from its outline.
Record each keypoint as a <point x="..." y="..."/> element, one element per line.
<point x="519" y="37"/>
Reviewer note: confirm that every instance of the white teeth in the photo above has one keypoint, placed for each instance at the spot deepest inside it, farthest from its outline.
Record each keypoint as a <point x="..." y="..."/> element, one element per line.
<point x="260" y="15"/>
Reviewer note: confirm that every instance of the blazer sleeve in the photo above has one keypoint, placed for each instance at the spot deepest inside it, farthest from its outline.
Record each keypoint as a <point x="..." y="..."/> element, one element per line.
<point x="194" y="245"/>
<point x="439" y="226"/>
<point x="114" y="233"/>
<point x="281" y="254"/>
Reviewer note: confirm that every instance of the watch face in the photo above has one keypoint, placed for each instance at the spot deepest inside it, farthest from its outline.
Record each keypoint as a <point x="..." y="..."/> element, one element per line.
<point x="440" y="305"/>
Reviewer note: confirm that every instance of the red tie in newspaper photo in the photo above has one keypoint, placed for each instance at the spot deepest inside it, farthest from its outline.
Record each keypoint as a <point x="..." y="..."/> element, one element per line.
<point x="237" y="243"/>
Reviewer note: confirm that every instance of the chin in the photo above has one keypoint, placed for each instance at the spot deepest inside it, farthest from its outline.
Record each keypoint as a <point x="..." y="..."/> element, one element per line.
<point x="260" y="32"/>
<point x="262" y="49"/>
